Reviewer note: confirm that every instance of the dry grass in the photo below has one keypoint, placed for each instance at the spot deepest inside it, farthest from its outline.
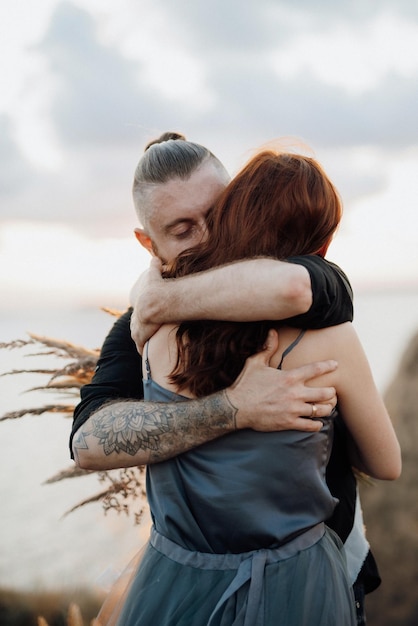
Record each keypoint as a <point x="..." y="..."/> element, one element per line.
<point x="122" y="490"/>
<point x="65" y="380"/>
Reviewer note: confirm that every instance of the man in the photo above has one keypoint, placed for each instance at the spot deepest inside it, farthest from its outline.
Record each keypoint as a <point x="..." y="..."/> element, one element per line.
<point x="173" y="198"/>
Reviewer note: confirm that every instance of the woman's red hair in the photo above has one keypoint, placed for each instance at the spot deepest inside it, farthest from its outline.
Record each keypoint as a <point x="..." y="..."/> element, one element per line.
<point x="280" y="205"/>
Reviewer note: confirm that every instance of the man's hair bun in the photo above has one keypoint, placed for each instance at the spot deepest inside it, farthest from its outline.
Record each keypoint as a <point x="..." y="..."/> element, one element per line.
<point x="166" y="137"/>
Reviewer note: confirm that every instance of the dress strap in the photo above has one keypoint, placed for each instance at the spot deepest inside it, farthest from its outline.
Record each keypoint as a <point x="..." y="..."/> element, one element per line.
<point x="290" y="348"/>
<point x="147" y="365"/>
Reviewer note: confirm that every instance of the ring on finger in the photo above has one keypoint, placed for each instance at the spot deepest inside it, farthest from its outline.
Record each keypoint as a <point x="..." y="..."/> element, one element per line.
<point x="314" y="411"/>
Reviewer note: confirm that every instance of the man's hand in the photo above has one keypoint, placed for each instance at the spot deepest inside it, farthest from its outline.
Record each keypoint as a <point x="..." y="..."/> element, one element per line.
<point x="267" y="399"/>
<point x="148" y="284"/>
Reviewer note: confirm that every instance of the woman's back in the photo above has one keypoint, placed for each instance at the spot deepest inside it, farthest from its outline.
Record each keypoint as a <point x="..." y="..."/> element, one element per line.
<point x="375" y="447"/>
<point x="244" y="491"/>
<point x="162" y="351"/>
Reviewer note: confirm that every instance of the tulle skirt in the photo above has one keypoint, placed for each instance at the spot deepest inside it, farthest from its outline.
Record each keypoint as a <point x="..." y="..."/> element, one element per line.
<point x="295" y="585"/>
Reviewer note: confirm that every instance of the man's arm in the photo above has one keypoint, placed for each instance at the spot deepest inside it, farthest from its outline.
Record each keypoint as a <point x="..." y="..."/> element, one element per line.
<point x="118" y="374"/>
<point x="332" y="295"/>
<point x="130" y="433"/>
<point x="306" y="290"/>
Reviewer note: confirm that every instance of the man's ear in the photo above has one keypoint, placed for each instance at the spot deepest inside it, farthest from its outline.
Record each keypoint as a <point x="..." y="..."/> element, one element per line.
<point x="145" y="240"/>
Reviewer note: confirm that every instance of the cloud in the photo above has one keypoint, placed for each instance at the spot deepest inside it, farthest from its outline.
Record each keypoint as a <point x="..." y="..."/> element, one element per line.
<point x="103" y="98"/>
<point x="15" y="171"/>
<point x="98" y="97"/>
<point x="356" y="10"/>
<point x="107" y="99"/>
<point x="257" y="25"/>
<point x="260" y="103"/>
<point x="347" y="84"/>
<point x="218" y="27"/>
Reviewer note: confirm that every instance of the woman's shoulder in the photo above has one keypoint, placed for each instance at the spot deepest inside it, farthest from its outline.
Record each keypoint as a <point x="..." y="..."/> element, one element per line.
<point x="314" y="345"/>
<point x="161" y="351"/>
<point x="335" y="338"/>
<point x="162" y="344"/>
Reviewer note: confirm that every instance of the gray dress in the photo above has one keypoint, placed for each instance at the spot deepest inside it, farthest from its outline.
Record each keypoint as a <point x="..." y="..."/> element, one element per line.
<point x="238" y="535"/>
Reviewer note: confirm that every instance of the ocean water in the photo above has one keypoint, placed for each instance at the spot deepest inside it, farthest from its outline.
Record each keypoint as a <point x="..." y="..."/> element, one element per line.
<point x="40" y="547"/>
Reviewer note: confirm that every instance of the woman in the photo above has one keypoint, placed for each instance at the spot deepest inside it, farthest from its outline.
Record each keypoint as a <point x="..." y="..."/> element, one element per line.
<point x="239" y="534"/>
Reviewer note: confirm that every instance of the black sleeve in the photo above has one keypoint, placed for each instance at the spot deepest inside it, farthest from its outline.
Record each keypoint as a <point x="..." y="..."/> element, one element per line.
<point x="341" y="482"/>
<point x="343" y="485"/>
<point x="118" y="374"/>
<point x="332" y="295"/>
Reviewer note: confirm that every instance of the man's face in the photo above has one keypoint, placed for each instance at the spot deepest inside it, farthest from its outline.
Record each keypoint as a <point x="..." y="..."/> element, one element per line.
<point x="179" y="209"/>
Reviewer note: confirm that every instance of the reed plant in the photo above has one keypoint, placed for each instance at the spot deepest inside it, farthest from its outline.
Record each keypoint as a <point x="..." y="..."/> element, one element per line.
<point x="72" y="366"/>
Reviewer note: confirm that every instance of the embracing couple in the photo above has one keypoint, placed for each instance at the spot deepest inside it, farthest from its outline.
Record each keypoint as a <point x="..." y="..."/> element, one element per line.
<point x="247" y="394"/>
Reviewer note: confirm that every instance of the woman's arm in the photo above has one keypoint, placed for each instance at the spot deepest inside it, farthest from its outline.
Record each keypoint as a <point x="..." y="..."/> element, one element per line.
<point x="376" y="449"/>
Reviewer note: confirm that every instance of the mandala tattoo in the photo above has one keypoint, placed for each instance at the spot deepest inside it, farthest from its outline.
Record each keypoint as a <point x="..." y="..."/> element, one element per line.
<point x="123" y="429"/>
<point x="162" y="430"/>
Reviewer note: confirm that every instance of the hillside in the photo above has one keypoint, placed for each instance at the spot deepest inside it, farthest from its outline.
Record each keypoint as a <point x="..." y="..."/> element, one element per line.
<point x="391" y="509"/>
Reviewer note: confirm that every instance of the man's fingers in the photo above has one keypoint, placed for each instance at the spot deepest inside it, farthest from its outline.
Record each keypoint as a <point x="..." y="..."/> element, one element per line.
<point x="313" y="370"/>
<point x="319" y="395"/>
<point x="314" y="410"/>
<point x="307" y="425"/>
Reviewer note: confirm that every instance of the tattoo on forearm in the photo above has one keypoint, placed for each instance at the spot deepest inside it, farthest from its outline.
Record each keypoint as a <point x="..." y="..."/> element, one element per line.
<point x="123" y="429"/>
<point x="162" y="430"/>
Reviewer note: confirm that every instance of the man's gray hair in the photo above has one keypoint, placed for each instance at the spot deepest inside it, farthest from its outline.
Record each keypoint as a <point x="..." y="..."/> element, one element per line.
<point x="165" y="160"/>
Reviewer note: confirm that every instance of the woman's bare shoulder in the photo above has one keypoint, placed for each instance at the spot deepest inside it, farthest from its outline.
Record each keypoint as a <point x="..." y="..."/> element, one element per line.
<point x="316" y="345"/>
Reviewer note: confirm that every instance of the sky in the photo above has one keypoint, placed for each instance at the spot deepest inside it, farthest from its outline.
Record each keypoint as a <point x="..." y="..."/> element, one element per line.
<point x="87" y="83"/>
